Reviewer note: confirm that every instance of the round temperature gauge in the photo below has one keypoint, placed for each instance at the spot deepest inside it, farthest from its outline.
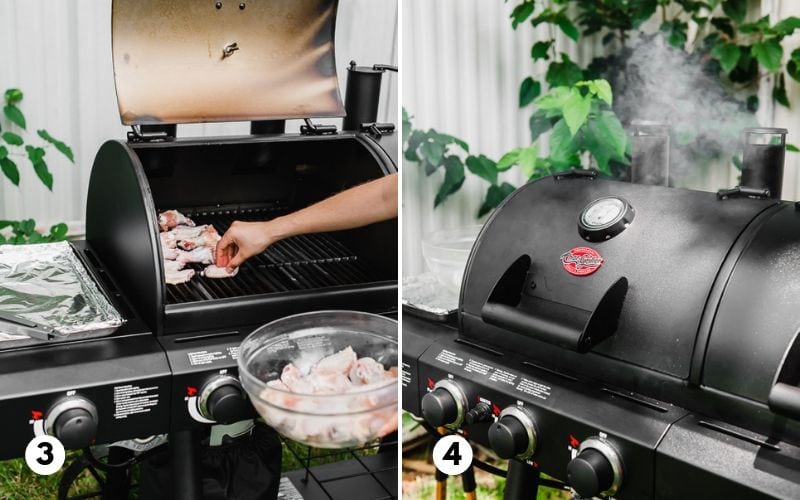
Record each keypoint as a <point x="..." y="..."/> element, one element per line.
<point x="605" y="218"/>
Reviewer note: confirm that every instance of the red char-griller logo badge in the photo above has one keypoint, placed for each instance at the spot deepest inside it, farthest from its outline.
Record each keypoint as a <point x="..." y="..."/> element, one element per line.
<point x="191" y="391"/>
<point x="581" y="261"/>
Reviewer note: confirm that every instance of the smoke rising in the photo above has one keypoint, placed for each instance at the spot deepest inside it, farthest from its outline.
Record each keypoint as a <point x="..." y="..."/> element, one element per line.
<point x="653" y="81"/>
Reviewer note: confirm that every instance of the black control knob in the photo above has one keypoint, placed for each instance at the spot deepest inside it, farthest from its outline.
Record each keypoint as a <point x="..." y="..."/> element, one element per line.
<point x="75" y="428"/>
<point x="439" y="408"/>
<point x="73" y="420"/>
<point x="514" y="434"/>
<point x="445" y="405"/>
<point x="227" y="404"/>
<point x="508" y="437"/>
<point x="222" y="400"/>
<point x="595" y="471"/>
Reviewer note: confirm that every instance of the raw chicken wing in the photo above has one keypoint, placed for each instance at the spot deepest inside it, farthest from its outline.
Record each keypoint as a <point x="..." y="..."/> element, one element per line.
<point x="173" y="266"/>
<point x="178" y="277"/>
<point x="340" y="362"/>
<point x="216" y="272"/>
<point x="208" y="237"/>
<point x="171" y="218"/>
<point x="200" y="255"/>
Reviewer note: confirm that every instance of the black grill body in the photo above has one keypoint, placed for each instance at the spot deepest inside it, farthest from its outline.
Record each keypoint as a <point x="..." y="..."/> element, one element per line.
<point x="680" y="374"/>
<point x="250" y="178"/>
<point x="215" y="181"/>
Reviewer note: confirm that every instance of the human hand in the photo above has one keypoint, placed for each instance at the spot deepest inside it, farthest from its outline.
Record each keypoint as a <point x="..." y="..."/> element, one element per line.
<point x="242" y="241"/>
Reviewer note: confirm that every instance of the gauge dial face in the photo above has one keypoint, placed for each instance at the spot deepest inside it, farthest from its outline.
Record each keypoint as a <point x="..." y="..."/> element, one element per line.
<point x="602" y="213"/>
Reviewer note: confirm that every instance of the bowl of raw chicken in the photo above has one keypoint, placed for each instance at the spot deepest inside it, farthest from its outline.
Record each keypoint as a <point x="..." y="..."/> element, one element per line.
<point x="326" y="379"/>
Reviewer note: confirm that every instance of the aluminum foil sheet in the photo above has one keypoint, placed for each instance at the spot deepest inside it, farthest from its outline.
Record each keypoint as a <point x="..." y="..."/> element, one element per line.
<point x="48" y="284"/>
<point x="426" y="294"/>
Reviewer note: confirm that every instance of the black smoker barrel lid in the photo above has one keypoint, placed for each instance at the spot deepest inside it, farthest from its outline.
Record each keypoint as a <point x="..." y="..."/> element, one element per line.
<point x="184" y="61"/>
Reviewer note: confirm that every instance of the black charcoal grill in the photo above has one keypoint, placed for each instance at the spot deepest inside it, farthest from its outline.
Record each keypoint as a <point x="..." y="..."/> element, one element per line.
<point x="185" y="62"/>
<point x="627" y="340"/>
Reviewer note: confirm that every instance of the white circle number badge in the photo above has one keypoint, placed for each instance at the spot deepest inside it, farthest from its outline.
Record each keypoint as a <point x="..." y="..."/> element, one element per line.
<point x="452" y="455"/>
<point x="44" y="455"/>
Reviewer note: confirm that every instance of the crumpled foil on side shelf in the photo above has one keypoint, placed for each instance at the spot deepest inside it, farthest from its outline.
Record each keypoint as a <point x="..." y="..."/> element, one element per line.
<point x="425" y="293"/>
<point x="48" y="284"/>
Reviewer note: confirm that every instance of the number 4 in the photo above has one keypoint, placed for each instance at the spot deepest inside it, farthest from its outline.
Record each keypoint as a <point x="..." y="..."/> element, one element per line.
<point x="452" y="454"/>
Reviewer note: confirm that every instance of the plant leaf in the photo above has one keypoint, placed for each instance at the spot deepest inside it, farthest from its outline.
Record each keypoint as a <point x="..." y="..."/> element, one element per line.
<point x="416" y="138"/>
<point x="779" y="91"/>
<point x="787" y="26"/>
<point x="14" y="114"/>
<point x="13" y="96"/>
<point x="676" y="33"/>
<point x="724" y="25"/>
<point x="792" y="148"/>
<point x="602" y="89"/>
<point x="539" y="123"/>
<point x="565" y="73"/>
<point x="769" y="54"/>
<point x="563" y="148"/>
<point x="432" y="151"/>
<point x="793" y="66"/>
<point x="3" y="152"/>
<point x="735" y="9"/>
<point x="539" y="50"/>
<point x="13" y="139"/>
<point x="605" y="138"/>
<point x="483" y="167"/>
<point x="36" y="156"/>
<point x="555" y="99"/>
<point x="494" y="197"/>
<point x="58" y="232"/>
<point x="576" y="110"/>
<point x="60" y="146"/>
<point x="567" y="27"/>
<point x="10" y="170"/>
<point x="508" y="160"/>
<point x="727" y="54"/>
<point x="527" y="160"/>
<point x="453" y="179"/>
<point x="528" y="91"/>
<point x="520" y="13"/>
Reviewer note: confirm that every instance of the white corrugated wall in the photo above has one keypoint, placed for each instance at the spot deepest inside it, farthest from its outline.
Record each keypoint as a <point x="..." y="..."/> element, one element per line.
<point x="59" y="53"/>
<point x="464" y="65"/>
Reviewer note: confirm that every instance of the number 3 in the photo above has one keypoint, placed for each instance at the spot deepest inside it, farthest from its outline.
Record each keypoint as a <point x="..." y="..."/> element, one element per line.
<point x="47" y="459"/>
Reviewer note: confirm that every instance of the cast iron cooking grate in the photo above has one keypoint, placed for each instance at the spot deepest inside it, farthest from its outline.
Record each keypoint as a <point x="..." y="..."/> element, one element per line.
<point x="299" y="263"/>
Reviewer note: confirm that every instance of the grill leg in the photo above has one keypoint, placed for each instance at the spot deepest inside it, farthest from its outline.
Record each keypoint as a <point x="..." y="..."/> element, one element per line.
<point x="184" y="452"/>
<point x="118" y="481"/>
<point x="468" y="481"/>
<point x="522" y="481"/>
<point x="441" y="485"/>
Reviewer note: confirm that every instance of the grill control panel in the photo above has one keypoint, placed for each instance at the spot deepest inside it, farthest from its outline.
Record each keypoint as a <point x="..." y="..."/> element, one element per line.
<point x="541" y="420"/>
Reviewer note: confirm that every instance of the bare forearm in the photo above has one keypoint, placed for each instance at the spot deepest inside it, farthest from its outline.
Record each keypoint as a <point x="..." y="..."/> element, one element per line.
<point x="368" y="203"/>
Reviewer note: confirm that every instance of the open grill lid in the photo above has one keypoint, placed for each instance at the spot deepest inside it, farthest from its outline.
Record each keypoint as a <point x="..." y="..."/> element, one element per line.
<point x="186" y="61"/>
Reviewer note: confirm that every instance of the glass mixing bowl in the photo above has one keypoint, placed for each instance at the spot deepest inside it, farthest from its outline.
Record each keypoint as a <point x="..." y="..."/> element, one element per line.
<point x="343" y="420"/>
<point x="446" y="252"/>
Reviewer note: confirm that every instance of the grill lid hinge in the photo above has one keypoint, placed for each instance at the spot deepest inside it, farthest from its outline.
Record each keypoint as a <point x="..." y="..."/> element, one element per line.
<point x="575" y="173"/>
<point x="311" y="128"/>
<point x="152" y="133"/>
<point x="377" y="129"/>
